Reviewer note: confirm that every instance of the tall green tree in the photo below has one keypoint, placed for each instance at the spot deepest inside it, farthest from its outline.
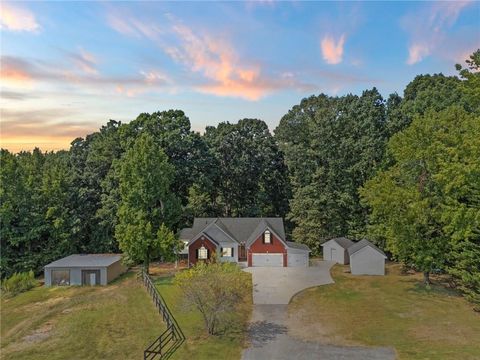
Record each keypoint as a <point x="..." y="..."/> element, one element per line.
<point x="427" y="204"/>
<point x="148" y="207"/>
<point x="332" y="145"/>
<point x="247" y="175"/>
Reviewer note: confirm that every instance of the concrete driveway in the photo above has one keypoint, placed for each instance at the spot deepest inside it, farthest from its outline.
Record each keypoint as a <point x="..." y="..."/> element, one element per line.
<point x="273" y="289"/>
<point x="277" y="285"/>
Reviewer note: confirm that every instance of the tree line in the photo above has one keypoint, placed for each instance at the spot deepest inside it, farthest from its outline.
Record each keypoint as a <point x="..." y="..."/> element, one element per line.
<point x="403" y="171"/>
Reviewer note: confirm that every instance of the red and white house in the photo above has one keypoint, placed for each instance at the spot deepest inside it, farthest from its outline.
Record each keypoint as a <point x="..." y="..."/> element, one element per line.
<point x="250" y="241"/>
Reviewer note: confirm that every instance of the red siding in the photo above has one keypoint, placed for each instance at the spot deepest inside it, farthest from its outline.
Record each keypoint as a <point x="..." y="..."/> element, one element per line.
<point x="197" y="244"/>
<point x="275" y="247"/>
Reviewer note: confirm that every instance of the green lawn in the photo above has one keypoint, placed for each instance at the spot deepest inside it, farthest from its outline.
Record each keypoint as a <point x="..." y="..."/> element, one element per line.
<point x="393" y="310"/>
<point x="113" y="322"/>
<point x="199" y="345"/>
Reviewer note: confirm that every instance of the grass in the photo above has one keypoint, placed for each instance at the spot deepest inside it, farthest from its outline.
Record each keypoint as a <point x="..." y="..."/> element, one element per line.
<point x="393" y="310"/>
<point x="112" y="322"/>
<point x="199" y="345"/>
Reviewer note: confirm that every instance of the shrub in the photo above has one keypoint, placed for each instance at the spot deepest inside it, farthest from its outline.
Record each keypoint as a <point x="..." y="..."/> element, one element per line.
<point x="215" y="289"/>
<point x="19" y="282"/>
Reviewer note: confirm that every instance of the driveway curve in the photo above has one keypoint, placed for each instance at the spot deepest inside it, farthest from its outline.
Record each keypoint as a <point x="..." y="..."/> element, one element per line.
<point x="269" y="338"/>
<point x="277" y="285"/>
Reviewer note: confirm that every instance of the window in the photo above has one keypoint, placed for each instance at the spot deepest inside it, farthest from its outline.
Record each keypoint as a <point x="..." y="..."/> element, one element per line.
<point x="61" y="277"/>
<point x="227" y="252"/>
<point x="202" y="253"/>
<point x="267" y="237"/>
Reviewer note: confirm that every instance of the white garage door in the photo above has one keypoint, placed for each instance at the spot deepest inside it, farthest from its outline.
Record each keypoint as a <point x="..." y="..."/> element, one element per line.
<point x="298" y="260"/>
<point x="267" y="260"/>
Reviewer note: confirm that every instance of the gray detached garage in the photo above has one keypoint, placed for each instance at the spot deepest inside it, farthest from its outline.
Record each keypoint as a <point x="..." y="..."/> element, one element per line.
<point x="366" y="259"/>
<point x="336" y="250"/>
<point x="84" y="269"/>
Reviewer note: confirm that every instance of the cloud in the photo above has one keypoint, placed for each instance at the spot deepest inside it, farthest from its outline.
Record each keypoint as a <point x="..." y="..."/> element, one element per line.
<point x="17" y="18"/>
<point x="51" y="128"/>
<point x="84" y="61"/>
<point x="427" y="28"/>
<point x="224" y="72"/>
<point x="22" y="73"/>
<point x="332" y="50"/>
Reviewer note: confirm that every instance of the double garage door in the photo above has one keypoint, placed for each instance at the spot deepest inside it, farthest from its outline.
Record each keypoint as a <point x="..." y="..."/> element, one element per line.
<point x="276" y="260"/>
<point x="269" y="260"/>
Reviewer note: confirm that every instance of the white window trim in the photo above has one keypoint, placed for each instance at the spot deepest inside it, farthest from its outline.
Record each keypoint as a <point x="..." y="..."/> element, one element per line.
<point x="227" y="252"/>
<point x="267" y="237"/>
<point x="202" y="253"/>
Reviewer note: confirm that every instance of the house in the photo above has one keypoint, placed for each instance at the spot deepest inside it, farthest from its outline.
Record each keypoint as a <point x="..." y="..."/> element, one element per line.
<point x="366" y="259"/>
<point x="84" y="269"/>
<point x="336" y="250"/>
<point x="249" y="241"/>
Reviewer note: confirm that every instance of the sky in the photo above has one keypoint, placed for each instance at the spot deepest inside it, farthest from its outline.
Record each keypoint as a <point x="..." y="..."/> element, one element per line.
<point x="68" y="67"/>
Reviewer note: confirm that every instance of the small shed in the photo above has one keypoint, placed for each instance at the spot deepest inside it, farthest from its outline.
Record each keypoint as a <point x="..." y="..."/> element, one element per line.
<point x="366" y="259"/>
<point x="84" y="269"/>
<point x="336" y="250"/>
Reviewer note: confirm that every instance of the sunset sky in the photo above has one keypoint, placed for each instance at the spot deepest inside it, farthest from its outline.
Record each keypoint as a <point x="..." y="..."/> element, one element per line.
<point x="68" y="67"/>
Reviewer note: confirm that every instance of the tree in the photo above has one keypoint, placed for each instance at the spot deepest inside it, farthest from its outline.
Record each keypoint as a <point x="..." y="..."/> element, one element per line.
<point x="247" y="175"/>
<point x="148" y="207"/>
<point x="215" y="290"/>
<point x="471" y="81"/>
<point x="427" y="204"/>
<point x="332" y="145"/>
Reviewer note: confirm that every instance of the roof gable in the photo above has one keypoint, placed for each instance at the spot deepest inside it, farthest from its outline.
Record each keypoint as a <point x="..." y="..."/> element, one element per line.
<point x="342" y="241"/>
<point x="356" y="247"/>
<point x="238" y="229"/>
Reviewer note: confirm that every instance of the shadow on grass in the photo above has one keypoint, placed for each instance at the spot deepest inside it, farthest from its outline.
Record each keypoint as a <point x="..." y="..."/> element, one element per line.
<point x="262" y="332"/>
<point x="437" y="289"/>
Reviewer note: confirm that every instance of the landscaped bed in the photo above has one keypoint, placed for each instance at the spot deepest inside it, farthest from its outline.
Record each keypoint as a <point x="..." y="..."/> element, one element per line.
<point x="395" y="310"/>
<point x="199" y="345"/>
<point x="110" y="322"/>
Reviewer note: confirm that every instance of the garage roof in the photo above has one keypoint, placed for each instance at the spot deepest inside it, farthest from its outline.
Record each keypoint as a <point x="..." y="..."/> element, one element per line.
<point x="86" y="260"/>
<point x="298" y="246"/>
<point x="360" y="245"/>
<point x="342" y="241"/>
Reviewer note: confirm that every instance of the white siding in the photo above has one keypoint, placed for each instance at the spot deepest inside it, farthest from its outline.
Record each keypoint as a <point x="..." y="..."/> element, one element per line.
<point x="332" y="251"/>
<point x="367" y="261"/>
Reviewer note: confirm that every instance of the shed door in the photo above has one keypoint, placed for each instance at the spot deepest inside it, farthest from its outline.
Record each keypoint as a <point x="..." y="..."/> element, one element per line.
<point x="267" y="260"/>
<point x="295" y="260"/>
<point x="333" y="254"/>
<point x="90" y="277"/>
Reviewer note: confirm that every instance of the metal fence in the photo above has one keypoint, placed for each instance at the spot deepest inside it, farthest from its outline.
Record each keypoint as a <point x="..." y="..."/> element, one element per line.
<point x="171" y="339"/>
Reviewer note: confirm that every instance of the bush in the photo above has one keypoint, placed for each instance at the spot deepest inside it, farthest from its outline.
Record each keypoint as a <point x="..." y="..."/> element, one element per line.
<point x="216" y="290"/>
<point x="19" y="282"/>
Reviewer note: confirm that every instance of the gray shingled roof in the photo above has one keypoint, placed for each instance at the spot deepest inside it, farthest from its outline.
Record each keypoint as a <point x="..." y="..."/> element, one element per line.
<point x="295" y="245"/>
<point x="86" y="260"/>
<point x="239" y="229"/>
<point x="360" y="245"/>
<point x="342" y="241"/>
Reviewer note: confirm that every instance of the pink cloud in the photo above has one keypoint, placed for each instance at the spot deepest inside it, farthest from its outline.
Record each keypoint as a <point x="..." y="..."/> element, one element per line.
<point x="17" y="18"/>
<point x="211" y="56"/>
<point x="427" y="29"/>
<point x="332" y="50"/>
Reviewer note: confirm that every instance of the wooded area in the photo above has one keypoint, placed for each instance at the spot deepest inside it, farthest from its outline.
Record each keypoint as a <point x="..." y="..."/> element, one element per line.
<point x="404" y="171"/>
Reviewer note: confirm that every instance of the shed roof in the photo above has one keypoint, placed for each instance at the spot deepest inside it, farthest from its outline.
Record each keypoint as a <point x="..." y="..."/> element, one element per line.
<point x="360" y="245"/>
<point x="342" y="241"/>
<point x="86" y="260"/>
